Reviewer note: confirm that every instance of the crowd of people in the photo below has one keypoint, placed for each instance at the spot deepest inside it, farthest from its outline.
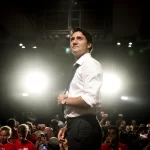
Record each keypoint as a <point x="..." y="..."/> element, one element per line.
<point x="31" y="136"/>
<point x="81" y="103"/>
<point x="117" y="134"/>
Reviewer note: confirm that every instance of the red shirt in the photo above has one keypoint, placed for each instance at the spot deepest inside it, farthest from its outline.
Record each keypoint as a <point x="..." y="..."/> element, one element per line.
<point x="120" y="147"/>
<point x="14" y="136"/>
<point x="28" y="145"/>
<point x="8" y="146"/>
<point x="31" y="138"/>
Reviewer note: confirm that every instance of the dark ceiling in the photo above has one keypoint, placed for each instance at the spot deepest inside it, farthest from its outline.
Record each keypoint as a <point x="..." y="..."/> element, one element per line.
<point x="38" y="23"/>
<point x="26" y="20"/>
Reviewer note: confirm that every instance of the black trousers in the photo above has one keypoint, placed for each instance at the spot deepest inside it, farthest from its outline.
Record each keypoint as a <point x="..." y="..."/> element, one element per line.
<point x="84" y="133"/>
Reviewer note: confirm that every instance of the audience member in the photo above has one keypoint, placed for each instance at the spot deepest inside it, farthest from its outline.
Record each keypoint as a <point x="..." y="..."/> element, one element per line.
<point x="22" y="142"/>
<point x="12" y="124"/>
<point x="5" y="133"/>
<point x="60" y="123"/>
<point x="112" y="141"/>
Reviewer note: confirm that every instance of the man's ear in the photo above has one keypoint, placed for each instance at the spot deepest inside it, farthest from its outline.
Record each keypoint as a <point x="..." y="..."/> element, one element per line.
<point x="89" y="45"/>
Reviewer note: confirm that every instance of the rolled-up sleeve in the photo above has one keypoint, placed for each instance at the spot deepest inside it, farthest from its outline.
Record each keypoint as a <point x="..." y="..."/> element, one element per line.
<point x="92" y="81"/>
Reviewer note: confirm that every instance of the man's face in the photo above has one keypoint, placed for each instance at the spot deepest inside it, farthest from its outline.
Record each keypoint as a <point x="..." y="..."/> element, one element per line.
<point x="79" y="44"/>
<point x="34" y="128"/>
<point x="133" y="122"/>
<point x="3" y="136"/>
<point x="112" y="133"/>
<point x="38" y="136"/>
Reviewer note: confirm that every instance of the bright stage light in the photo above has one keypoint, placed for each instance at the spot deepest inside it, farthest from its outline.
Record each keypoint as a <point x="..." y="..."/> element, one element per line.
<point x="124" y="98"/>
<point x="20" y="44"/>
<point x="118" y="43"/>
<point x="111" y="83"/>
<point x="36" y="82"/>
<point x="34" y="47"/>
<point x="24" y="94"/>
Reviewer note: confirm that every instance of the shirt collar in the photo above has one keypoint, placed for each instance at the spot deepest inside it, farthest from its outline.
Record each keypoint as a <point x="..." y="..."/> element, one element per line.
<point x="82" y="58"/>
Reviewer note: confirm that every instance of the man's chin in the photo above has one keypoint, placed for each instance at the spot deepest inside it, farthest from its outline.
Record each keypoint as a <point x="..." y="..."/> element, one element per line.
<point x="73" y="51"/>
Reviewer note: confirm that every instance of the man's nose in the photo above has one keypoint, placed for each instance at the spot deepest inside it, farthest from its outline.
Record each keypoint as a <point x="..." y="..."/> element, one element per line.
<point x="75" y="41"/>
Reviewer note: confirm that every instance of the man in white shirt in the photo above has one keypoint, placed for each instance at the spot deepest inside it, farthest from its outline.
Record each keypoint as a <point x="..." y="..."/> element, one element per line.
<point x="84" y="97"/>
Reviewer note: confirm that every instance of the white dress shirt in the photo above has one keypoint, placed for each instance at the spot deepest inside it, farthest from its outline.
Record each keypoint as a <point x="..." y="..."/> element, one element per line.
<point x="86" y="83"/>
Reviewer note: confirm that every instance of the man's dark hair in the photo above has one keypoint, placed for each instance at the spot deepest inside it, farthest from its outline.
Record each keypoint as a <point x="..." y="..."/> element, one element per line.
<point x="11" y="122"/>
<point x="86" y="34"/>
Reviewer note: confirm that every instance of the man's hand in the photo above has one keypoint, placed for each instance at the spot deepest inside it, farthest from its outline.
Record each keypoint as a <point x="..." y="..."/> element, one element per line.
<point x="63" y="145"/>
<point x="61" y="134"/>
<point x="61" y="97"/>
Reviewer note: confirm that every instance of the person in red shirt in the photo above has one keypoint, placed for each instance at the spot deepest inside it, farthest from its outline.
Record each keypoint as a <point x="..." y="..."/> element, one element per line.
<point x="112" y="141"/>
<point x="31" y="136"/>
<point x="11" y="122"/>
<point x="111" y="145"/>
<point x="22" y="142"/>
<point x="5" y="133"/>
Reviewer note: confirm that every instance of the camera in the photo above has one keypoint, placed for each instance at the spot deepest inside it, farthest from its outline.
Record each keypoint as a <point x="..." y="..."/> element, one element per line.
<point x="43" y="135"/>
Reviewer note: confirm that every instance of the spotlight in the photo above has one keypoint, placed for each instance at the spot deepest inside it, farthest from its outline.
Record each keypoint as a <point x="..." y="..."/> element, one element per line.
<point x="118" y="43"/>
<point x="67" y="36"/>
<point x="124" y="98"/>
<point x="36" y="82"/>
<point x="20" y="44"/>
<point x="25" y="94"/>
<point x="34" y="47"/>
<point x="111" y="83"/>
